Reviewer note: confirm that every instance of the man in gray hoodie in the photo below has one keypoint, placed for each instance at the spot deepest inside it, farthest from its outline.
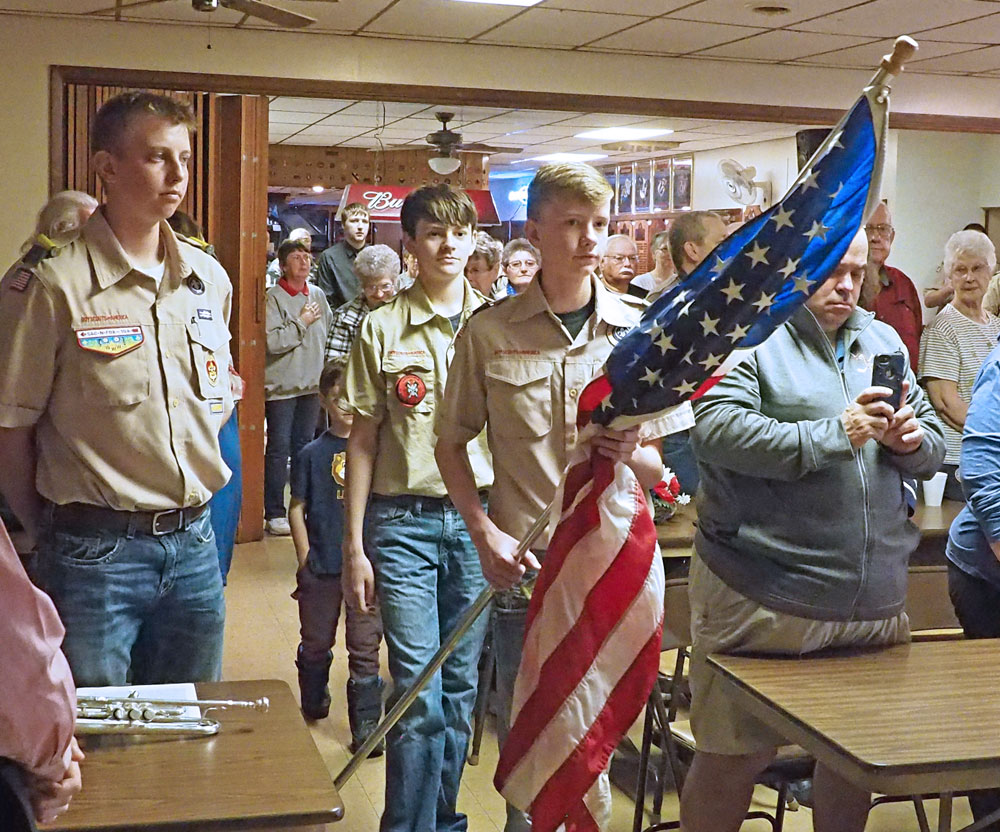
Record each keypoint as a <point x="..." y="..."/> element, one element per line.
<point x="803" y="539"/>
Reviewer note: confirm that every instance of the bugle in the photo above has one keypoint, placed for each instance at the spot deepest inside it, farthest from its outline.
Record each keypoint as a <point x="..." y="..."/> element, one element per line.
<point x="134" y="714"/>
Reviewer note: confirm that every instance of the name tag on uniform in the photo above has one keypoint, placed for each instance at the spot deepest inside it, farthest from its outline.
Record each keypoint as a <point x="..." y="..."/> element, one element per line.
<point x="114" y="340"/>
<point x="204" y="314"/>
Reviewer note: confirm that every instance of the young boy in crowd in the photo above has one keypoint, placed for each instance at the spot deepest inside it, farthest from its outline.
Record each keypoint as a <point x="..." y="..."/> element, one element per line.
<point x="316" y="516"/>
<point x="519" y="369"/>
<point x="398" y="511"/>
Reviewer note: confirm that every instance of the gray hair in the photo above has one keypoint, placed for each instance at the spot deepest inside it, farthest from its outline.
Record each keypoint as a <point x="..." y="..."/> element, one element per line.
<point x="971" y="243"/>
<point x="661" y="239"/>
<point x="519" y="244"/>
<point x="488" y="248"/>
<point x="614" y="238"/>
<point x="375" y="262"/>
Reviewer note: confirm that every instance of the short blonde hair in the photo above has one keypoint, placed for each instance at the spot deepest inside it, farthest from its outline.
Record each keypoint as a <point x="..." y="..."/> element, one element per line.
<point x="573" y="179"/>
<point x="972" y="243"/>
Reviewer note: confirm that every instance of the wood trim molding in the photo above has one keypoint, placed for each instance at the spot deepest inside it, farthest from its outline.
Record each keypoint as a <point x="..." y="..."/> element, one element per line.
<point x="514" y="99"/>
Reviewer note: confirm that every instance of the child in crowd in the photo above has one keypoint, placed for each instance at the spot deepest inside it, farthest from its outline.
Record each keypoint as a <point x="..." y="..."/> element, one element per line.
<point x="519" y="369"/>
<point x="397" y="510"/>
<point x="316" y="516"/>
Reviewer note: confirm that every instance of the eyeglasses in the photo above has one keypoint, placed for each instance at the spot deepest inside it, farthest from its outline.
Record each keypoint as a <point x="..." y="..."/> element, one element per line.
<point x="881" y="230"/>
<point x="621" y="258"/>
<point x="520" y="264"/>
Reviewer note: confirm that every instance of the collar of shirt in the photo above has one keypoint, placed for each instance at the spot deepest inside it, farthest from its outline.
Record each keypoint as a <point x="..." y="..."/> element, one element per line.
<point x="284" y="284"/>
<point x="608" y="305"/>
<point x="883" y="277"/>
<point x="111" y="263"/>
<point x="350" y="251"/>
<point x="421" y="311"/>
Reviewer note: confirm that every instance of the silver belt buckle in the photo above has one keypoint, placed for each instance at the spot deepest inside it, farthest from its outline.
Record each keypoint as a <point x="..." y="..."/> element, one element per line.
<point x="157" y="531"/>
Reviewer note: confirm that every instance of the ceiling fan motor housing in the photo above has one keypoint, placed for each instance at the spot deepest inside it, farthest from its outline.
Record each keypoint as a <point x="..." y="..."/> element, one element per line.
<point x="205" y="5"/>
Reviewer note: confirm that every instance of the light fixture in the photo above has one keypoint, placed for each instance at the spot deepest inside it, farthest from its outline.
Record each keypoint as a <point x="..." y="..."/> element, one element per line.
<point x="621" y="134"/>
<point x="503" y="2"/>
<point x="569" y="157"/>
<point x="444" y="164"/>
<point x="318" y="189"/>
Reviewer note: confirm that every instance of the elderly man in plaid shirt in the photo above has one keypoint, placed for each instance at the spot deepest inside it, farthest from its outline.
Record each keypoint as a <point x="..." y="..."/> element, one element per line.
<point x="377" y="268"/>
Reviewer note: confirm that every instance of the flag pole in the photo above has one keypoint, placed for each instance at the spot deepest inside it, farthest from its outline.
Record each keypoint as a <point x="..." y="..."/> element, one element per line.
<point x="445" y="650"/>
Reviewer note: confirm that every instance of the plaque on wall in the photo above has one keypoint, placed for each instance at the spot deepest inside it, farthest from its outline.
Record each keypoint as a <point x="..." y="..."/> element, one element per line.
<point x="661" y="185"/>
<point x="682" y="183"/>
<point x="626" y="181"/>
<point x="612" y="176"/>
<point x="642" y="187"/>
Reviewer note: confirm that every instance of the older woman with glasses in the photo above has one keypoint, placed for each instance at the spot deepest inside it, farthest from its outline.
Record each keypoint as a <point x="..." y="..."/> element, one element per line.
<point x="958" y="341"/>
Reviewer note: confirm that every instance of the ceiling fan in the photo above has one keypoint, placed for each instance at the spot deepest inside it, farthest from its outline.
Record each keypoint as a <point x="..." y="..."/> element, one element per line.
<point x="252" y="8"/>
<point x="448" y="142"/>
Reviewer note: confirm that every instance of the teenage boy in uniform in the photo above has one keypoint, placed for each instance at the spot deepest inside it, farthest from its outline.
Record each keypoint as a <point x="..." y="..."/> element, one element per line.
<point x="428" y="570"/>
<point x="519" y="369"/>
<point x="114" y="383"/>
<point x="316" y="515"/>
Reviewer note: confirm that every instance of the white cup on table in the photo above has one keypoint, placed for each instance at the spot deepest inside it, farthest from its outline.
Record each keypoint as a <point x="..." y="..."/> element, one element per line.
<point x="934" y="489"/>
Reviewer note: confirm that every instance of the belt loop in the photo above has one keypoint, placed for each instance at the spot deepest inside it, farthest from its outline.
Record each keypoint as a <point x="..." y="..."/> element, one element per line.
<point x="418" y="506"/>
<point x="130" y="531"/>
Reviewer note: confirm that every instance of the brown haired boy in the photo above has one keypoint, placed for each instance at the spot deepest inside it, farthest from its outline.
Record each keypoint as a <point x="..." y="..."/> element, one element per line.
<point x="335" y="266"/>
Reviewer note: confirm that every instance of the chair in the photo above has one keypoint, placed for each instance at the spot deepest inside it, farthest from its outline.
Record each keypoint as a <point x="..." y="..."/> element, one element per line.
<point x="675" y="738"/>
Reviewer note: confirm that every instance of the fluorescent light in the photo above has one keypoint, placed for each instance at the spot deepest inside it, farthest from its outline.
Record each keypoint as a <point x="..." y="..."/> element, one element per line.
<point x="318" y="189"/>
<point x="503" y="2"/>
<point x="621" y="134"/>
<point x="569" y="157"/>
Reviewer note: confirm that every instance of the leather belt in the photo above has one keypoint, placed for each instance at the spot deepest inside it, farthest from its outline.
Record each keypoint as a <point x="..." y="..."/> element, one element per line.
<point x="81" y="516"/>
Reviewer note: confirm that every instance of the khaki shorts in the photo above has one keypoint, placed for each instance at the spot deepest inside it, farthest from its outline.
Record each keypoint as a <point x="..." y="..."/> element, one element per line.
<point x="724" y="621"/>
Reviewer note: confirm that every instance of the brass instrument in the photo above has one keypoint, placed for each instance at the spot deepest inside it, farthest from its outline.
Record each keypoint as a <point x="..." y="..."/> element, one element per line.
<point x="134" y="714"/>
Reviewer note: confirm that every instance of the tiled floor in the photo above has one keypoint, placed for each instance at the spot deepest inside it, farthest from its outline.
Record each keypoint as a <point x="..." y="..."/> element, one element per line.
<point x="261" y="636"/>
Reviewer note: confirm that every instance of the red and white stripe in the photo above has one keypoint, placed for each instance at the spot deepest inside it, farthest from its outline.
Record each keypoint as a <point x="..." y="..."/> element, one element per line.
<point x="591" y="649"/>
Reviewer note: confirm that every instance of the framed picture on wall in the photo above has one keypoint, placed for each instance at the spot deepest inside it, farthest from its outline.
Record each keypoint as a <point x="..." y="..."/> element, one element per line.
<point x="611" y="174"/>
<point x="626" y="181"/>
<point x="661" y="184"/>
<point x="643" y="199"/>
<point x="682" y="182"/>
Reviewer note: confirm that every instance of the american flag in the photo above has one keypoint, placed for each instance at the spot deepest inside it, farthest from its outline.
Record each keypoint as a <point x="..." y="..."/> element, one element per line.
<point x="591" y="649"/>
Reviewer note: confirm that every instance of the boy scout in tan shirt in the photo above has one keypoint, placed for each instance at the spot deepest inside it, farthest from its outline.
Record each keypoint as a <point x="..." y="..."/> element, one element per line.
<point x="114" y="383"/>
<point x="519" y="369"/>
<point x="398" y="512"/>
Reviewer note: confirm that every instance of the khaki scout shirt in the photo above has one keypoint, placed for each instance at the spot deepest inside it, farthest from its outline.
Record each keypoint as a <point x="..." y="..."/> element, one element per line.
<point x="127" y="385"/>
<point x="396" y="375"/>
<point x="518" y="372"/>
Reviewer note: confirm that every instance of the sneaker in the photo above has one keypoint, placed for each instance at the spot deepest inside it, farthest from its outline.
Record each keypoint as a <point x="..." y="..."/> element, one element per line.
<point x="278" y="526"/>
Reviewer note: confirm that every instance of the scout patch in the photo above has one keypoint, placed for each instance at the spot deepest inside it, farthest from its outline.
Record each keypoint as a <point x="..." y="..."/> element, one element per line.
<point x="20" y="279"/>
<point x="212" y="370"/>
<point x="616" y="333"/>
<point x="204" y="314"/>
<point x="113" y="340"/>
<point x="216" y="407"/>
<point x="195" y="285"/>
<point x="410" y="390"/>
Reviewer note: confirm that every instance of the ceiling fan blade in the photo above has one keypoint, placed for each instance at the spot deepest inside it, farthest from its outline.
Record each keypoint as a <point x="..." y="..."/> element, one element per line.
<point x="272" y="14"/>
<point x="119" y="8"/>
<point x="479" y="147"/>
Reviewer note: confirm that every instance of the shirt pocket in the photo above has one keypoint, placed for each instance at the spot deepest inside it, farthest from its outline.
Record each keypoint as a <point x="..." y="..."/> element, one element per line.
<point x="210" y="358"/>
<point x="409" y="382"/>
<point x="115" y="380"/>
<point x="519" y="397"/>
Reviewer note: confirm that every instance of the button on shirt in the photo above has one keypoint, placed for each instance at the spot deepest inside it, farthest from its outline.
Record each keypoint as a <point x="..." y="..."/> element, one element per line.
<point x="396" y="375"/>
<point x="335" y="274"/>
<point x="518" y="372"/>
<point x="126" y="382"/>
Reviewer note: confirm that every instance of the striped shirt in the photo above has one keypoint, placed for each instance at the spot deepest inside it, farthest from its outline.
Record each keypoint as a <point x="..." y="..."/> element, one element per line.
<point x="953" y="348"/>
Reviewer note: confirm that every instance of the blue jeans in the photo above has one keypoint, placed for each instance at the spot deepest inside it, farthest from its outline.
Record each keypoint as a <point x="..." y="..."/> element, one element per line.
<point x="679" y="457"/>
<point x="427" y="575"/>
<point x="137" y="608"/>
<point x="225" y="503"/>
<point x="291" y="425"/>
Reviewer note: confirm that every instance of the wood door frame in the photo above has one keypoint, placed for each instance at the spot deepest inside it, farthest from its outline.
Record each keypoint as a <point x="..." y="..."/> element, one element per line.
<point x="60" y="76"/>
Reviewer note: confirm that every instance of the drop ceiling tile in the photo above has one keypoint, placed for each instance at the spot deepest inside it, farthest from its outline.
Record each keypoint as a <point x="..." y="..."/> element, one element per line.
<point x="178" y="12"/>
<point x="557" y="27"/>
<point x="742" y="14"/>
<point x="334" y="132"/>
<point x="309" y="105"/>
<point x="432" y="18"/>
<point x="733" y="128"/>
<point x="984" y="59"/>
<point x="869" y="55"/>
<point x="981" y="30"/>
<point x="594" y="121"/>
<point x="783" y="45"/>
<point x="360" y="121"/>
<point x="391" y="109"/>
<point x="889" y="18"/>
<point x="55" y="6"/>
<point x="672" y="123"/>
<point x="670" y="36"/>
<point x="292" y="117"/>
<point x="332" y="16"/>
<point x="649" y="8"/>
<point x="314" y="141"/>
<point x="394" y="133"/>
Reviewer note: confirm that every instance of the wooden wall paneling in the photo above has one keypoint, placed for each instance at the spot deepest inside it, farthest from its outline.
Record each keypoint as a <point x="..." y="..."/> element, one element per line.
<point x="238" y="214"/>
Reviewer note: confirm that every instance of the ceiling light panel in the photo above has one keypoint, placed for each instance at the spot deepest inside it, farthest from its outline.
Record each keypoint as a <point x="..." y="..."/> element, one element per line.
<point x="622" y="134"/>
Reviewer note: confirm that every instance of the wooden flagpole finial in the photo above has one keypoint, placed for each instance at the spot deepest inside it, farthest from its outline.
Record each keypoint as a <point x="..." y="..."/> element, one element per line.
<point x="902" y="51"/>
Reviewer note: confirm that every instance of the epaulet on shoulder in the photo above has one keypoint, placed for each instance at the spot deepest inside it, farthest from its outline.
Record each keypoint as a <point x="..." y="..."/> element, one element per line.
<point x="489" y="303"/>
<point x="41" y="247"/>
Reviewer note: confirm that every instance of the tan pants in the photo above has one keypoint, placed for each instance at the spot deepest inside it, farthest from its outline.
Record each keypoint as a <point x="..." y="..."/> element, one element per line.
<point x="724" y="621"/>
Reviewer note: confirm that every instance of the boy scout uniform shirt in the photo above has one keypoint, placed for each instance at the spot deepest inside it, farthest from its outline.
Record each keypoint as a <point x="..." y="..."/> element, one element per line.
<point x="517" y="371"/>
<point x="126" y="383"/>
<point x="396" y="375"/>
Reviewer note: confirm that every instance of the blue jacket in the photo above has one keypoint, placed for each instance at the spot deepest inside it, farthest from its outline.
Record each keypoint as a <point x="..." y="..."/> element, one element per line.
<point x="790" y="514"/>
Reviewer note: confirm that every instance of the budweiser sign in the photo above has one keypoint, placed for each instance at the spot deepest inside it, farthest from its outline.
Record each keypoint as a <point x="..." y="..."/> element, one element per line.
<point x="385" y="201"/>
<point x="379" y="201"/>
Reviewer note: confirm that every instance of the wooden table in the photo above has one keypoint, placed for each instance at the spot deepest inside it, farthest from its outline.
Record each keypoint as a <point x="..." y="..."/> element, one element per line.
<point x="259" y="770"/>
<point x="912" y="719"/>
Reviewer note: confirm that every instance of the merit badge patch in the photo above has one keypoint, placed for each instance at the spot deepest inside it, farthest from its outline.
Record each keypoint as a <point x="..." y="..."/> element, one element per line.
<point x="113" y="340"/>
<point x="212" y="369"/>
<point x="195" y="285"/>
<point x="410" y="390"/>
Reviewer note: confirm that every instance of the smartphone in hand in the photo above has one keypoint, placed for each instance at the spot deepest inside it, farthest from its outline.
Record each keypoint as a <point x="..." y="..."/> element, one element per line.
<point x="889" y="370"/>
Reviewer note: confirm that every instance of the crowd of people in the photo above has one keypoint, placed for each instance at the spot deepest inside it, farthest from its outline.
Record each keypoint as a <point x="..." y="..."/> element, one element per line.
<point x="424" y="416"/>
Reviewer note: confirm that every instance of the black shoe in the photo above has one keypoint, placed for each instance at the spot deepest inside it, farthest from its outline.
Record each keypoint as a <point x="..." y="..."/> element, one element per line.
<point x="364" y="711"/>
<point x="314" y="687"/>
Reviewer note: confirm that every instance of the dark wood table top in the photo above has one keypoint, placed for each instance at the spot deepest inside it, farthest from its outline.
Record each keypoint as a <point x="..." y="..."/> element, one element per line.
<point x="910" y="719"/>
<point x="259" y="770"/>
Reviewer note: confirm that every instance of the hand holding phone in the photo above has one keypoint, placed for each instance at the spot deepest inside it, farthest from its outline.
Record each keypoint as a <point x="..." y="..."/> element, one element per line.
<point x="889" y="370"/>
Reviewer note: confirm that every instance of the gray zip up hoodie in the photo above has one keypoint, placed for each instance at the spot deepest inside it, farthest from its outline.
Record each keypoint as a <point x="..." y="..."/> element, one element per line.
<point x="789" y="513"/>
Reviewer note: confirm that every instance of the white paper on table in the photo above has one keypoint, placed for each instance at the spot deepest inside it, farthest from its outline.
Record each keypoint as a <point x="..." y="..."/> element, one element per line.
<point x="176" y="692"/>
